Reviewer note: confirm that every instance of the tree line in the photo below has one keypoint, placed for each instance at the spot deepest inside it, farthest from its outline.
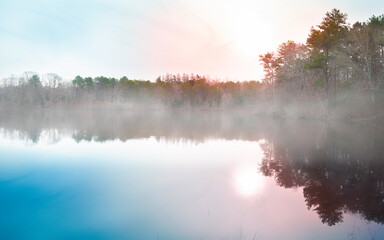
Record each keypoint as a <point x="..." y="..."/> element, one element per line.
<point x="337" y="73"/>
<point x="339" y="64"/>
<point x="172" y="91"/>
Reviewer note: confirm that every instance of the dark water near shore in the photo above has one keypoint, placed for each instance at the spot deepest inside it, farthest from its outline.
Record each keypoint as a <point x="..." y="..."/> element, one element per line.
<point x="188" y="175"/>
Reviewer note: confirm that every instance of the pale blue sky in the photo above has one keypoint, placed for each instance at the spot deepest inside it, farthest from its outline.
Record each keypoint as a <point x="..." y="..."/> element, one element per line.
<point x="146" y="38"/>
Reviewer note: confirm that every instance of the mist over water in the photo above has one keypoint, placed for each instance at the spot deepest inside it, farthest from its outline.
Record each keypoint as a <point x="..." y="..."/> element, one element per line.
<point x="177" y="120"/>
<point x="188" y="175"/>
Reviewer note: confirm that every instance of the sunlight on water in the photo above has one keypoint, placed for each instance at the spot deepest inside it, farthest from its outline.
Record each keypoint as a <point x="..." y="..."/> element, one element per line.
<point x="161" y="187"/>
<point x="248" y="180"/>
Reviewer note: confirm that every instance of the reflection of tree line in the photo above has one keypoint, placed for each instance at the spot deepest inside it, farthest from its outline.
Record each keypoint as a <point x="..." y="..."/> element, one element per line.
<point x="340" y="167"/>
<point x="344" y="174"/>
<point x="108" y="125"/>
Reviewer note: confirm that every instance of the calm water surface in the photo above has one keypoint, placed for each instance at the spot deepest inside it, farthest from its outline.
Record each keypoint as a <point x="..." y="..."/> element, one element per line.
<point x="188" y="176"/>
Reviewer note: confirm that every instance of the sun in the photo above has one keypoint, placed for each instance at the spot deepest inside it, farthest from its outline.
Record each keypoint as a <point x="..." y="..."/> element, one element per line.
<point x="249" y="32"/>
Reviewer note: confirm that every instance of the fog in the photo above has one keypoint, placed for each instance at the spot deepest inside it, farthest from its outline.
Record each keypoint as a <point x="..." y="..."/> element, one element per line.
<point x="338" y="165"/>
<point x="198" y="125"/>
<point x="192" y="156"/>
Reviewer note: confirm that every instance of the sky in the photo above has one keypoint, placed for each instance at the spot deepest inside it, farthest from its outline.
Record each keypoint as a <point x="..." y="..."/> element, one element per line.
<point x="143" y="39"/>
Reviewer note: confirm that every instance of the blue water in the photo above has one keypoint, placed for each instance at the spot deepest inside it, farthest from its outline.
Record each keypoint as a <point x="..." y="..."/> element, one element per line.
<point x="153" y="188"/>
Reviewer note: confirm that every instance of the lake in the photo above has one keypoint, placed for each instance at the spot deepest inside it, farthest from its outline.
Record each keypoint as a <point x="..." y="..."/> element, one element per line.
<point x="188" y="175"/>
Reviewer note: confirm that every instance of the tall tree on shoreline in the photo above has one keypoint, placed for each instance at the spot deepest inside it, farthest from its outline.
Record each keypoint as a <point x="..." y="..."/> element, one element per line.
<point x="325" y="39"/>
<point x="367" y="49"/>
<point x="270" y="64"/>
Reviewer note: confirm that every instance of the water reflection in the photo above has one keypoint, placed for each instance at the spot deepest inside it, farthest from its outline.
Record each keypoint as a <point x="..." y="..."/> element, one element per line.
<point x="248" y="180"/>
<point x="101" y="126"/>
<point x="210" y="175"/>
<point x="344" y="174"/>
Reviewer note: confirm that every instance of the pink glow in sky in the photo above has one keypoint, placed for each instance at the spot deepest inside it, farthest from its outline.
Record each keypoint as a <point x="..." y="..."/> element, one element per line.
<point x="147" y="38"/>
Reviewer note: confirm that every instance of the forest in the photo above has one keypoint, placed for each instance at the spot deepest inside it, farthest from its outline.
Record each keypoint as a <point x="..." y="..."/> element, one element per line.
<point x="337" y="74"/>
<point x="168" y="91"/>
<point x="342" y="66"/>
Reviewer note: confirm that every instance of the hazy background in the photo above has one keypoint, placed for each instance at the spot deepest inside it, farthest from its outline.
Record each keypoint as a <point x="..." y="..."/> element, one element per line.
<point x="146" y="38"/>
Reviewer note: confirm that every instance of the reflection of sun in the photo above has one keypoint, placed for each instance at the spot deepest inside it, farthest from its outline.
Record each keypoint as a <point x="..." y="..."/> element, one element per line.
<point x="248" y="180"/>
